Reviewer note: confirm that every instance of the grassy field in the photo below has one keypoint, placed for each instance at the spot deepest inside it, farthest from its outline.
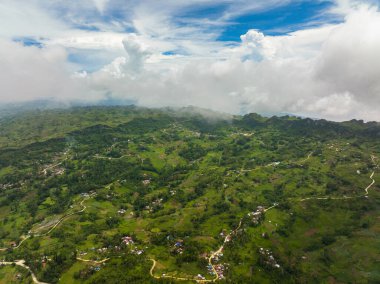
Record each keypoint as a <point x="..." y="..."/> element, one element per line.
<point x="13" y="275"/>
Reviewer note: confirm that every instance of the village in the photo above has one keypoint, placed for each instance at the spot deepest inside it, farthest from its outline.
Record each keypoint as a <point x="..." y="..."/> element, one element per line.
<point x="257" y="216"/>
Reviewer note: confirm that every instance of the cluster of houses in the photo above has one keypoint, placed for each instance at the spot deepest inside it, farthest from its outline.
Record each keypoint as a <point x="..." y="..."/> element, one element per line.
<point x="334" y="147"/>
<point x="219" y="268"/>
<point x="196" y="134"/>
<point x="154" y="205"/>
<point x="5" y="186"/>
<point x="111" y="196"/>
<point x="95" y="268"/>
<point x="91" y="193"/>
<point x="137" y="251"/>
<point x="122" y="211"/>
<point x="245" y="134"/>
<point x="274" y="164"/>
<point x="146" y="182"/>
<point x="99" y="250"/>
<point x="257" y="215"/>
<point x="210" y="269"/>
<point x="127" y="240"/>
<point x="53" y="170"/>
<point x="178" y="247"/>
<point x="217" y="257"/>
<point x="268" y="258"/>
<point x="157" y="202"/>
<point x="102" y="250"/>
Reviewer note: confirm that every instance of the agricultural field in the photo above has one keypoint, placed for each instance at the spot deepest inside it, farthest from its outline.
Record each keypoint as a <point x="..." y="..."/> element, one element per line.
<point x="132" y="195"/>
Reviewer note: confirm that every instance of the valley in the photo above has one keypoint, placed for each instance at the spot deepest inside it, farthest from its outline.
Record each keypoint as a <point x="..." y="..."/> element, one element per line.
<point x="163" y="196"/>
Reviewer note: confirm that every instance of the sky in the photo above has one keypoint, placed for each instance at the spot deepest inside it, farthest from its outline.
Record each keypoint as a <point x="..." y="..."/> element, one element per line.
<point x="315" y="58"/>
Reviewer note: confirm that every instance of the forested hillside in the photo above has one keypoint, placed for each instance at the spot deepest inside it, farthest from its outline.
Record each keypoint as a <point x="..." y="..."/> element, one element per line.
<point x="132" y="195"/>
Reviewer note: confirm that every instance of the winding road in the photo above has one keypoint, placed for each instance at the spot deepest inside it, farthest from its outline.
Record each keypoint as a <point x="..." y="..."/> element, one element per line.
<point x="22" y="261"/>
<point x="307" y="158"/>
<point x="93" y="261"/>
<point x="366" y="190"/>
<point x="166" y="276"/>
<point x="62" y="219"/>
<point x="154" y="262"/>
<point x="22" y="264"/>
<point x="228" y="237"/>
<point x="373" y="158"/>
<point x="212" y="256"/>
<point x="30" y="233"/>
<point x="226" y="240"/>
<point x="57" y="164"/>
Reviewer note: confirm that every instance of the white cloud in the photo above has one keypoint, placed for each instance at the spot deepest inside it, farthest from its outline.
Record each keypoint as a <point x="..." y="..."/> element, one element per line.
<point x="116" y="68"/>
<point x="349" y="60"/>
<point x="137" y="53"/>
<point x="330" y="71"/>
<point x="28" y="73"/>
<point x="25" y="18"/>
<point x="101" y="4"/>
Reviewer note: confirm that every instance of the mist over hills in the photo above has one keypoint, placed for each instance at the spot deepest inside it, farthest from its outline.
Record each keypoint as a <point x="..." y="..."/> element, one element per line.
<point x="197" y="141"/>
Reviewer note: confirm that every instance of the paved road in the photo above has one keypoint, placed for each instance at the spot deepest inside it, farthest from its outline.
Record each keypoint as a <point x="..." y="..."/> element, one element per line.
<point x="93" y="261"/>
<point x="226" y="239"/>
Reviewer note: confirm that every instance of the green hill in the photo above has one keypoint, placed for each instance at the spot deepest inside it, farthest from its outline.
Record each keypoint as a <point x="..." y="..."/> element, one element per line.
<point x="136" y="195"/>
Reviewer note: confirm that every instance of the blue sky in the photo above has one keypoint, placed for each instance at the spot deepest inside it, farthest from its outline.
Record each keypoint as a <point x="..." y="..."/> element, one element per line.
<point x="221" y="20"/>
<point x="237" y="56"/>
<point x="283" y="19"/>
<point x="278" y="19"/>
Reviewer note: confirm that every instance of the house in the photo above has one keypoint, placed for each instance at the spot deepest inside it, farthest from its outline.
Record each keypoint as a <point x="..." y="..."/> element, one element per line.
<point x="137" y="251"/>
<point x="201" y="277"/>
<point x="121" y="211"/>
<point x="127" y="240"/>
<point x="179" y="243"/>
<point x="44" y="261"/>
<point x="178" y="247"/>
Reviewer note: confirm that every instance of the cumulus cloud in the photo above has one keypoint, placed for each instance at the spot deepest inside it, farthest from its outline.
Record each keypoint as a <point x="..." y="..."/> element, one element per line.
<point x="137" y="53"/>
<point x="349" y="60"/>
<point x="27" y="19"/>
<point x="29" y="73"/>
<point x="331" y="71"/>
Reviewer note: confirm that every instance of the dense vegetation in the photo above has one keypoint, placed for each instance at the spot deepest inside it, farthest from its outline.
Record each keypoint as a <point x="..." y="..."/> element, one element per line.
<point x="99" y="194"/>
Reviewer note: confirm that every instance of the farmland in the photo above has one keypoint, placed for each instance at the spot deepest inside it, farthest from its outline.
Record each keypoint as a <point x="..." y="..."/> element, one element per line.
<point x="130" y="195"/>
